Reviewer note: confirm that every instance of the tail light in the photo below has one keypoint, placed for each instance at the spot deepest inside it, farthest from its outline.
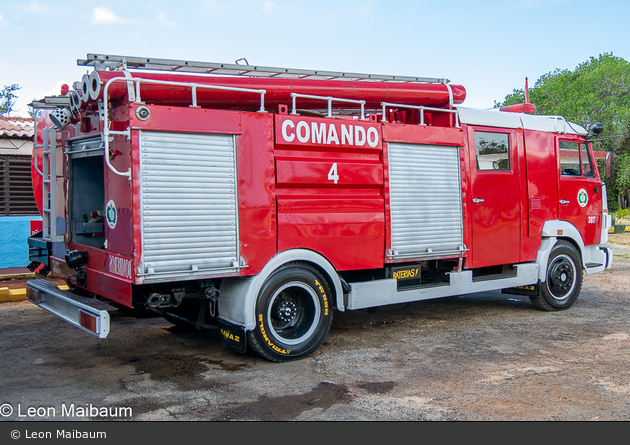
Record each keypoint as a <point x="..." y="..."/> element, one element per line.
<point x="89" y="322"/>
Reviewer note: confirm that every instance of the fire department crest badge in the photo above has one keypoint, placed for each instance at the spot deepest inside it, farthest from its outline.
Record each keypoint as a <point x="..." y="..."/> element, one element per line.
<point x="582" y="198"/>
<point x="111" y="214"/>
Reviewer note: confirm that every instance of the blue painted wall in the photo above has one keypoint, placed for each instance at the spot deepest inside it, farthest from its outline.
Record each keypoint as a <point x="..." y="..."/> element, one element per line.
<point x="14" y="232"/>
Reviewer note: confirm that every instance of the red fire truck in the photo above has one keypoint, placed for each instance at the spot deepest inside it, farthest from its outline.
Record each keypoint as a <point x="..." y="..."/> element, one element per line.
<point x="258" y="200"/>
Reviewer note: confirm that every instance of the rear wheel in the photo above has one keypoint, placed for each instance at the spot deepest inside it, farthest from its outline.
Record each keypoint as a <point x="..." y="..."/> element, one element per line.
<point x="564" y="279"/>
<point x="293" y="314"/>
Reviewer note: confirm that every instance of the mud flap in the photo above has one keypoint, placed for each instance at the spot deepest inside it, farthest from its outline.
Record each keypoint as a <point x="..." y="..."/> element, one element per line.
<point x="232" y="336"/>
<point x="532" y="290"/>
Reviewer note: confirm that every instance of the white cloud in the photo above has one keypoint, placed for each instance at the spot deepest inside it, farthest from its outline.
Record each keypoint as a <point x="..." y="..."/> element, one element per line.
<point x="167" y="23"/>
<point x="38" y="7"/>
<point x="104" y="15"/>
<point x="269" y="6"/>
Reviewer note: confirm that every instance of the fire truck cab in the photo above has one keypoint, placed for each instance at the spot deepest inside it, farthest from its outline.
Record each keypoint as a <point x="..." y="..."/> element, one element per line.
<point x="259" y="200"/>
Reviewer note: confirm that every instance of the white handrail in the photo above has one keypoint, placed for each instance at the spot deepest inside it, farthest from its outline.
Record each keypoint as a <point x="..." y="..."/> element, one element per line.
<point x="329" y="99"/>
<point x="421" y="108"/>
<point x="35" y="144"/>
<point x="193" y="86"/>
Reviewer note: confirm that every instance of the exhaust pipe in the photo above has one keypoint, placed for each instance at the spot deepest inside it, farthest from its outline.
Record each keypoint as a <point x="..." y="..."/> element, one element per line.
<point x="157" y="300"/>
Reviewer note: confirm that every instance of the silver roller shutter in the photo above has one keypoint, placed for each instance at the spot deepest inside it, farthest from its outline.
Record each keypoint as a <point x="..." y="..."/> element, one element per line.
<point x="425" y="201"/>
<point x="189" y="201"/>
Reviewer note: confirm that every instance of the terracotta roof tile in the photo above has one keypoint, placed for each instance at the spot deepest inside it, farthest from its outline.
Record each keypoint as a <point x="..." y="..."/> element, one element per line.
<point x="16" y="127"/>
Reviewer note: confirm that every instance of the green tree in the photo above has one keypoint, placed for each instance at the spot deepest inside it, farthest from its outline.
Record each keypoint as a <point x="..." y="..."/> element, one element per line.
<point x="7" y="99"/>
<point x="598" y="90"/>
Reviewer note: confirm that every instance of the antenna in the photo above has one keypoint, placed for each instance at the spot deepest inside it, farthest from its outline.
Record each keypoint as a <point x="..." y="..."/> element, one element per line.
<point x="526" y="92"/>
<point x="526" y="107"/>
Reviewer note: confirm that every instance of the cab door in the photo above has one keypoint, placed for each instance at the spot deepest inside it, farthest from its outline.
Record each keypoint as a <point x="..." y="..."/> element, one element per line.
<point x="495" y="196"/>
<point x="578" y="202"/>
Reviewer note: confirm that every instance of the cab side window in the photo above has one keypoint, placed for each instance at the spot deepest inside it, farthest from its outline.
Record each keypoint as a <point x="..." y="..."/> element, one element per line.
<point x="587" y="162"/>
<point x="570" y="158"/>
<point x="492" y="151"/>
<point x="575" y="160"/>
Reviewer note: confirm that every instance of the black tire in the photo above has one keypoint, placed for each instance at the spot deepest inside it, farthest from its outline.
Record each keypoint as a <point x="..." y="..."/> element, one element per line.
<point x="564" y="279"/>
<point x="293" y="314"/>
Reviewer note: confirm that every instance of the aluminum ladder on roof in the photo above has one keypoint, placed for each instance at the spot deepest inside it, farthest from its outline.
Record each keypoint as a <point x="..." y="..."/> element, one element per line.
<point x="105" y="61"/>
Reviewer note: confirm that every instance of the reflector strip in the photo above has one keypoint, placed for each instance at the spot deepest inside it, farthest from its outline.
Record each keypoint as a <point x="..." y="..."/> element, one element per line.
<point x="88" y="321"/>
<point x="33" y="295"/>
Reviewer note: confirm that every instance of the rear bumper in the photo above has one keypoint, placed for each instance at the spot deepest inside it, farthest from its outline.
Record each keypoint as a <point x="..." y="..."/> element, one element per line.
<point x="87" y="314"/>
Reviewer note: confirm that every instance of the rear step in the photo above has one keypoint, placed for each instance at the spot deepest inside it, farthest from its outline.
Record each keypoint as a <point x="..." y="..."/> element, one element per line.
<point x="87" y="314"/>
<point x="591" y="265"/>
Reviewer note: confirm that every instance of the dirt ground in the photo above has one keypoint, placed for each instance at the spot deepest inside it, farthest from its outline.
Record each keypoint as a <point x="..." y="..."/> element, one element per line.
<point x="486" y="356"/>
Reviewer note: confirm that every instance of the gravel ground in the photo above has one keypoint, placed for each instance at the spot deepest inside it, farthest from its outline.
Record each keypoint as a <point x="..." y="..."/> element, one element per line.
<point x="485" y="356"/>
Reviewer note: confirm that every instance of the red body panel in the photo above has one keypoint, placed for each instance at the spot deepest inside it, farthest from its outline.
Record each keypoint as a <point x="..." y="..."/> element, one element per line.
<point x="529" y="246"/>
<point x="105" y="274"/>
<point x="329" y="194"/>
<point x="119" y="190"/>
<point x="496" y="218"/>
<point x="542" y="189"/>
<point x="586" y="216"/>
<point x="36" y="226"/>
<point x="256" y="191"/>
<point x="417" y="134"/>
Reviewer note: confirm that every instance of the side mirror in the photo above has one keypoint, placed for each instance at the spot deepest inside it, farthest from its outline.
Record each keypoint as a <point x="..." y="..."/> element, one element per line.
<point x="597" y="128"/>
<point x="609" y="165"/>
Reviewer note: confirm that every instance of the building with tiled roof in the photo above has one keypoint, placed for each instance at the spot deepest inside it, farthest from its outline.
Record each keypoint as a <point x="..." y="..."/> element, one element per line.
<point x="16" y="135"/>
<point x="16" y="150"/>
<point x="17" y="203"/>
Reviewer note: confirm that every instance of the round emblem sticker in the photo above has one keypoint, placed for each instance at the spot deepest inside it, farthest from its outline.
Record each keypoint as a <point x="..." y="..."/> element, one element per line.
<point x="111" y="214"/>
<point x="582" y="198"/>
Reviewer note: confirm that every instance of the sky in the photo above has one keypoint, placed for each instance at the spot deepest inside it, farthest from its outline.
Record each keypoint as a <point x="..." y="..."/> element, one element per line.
<point x="488" y="46"/>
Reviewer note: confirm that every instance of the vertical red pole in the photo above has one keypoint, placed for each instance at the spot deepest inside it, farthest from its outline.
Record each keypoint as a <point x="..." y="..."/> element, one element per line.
<point x="526" y="92"/>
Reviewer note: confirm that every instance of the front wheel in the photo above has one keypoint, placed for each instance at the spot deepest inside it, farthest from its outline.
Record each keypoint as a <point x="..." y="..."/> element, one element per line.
<point x="293" y="314"/>
<point x="564" y="279"/>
